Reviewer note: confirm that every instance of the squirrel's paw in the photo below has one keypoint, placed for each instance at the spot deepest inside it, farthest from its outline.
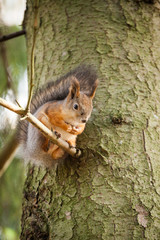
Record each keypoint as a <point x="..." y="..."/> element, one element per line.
<point x="75" y="130"/>
<point x="70" y="144"/>
<point x="69" y="128"/>
<point x="72" y="129"/>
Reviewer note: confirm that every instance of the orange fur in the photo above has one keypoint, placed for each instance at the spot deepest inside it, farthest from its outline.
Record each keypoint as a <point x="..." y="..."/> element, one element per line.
<point x="52" y="115"/>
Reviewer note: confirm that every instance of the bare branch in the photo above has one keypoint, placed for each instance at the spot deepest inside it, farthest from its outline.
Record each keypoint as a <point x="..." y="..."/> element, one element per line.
<point x="12" y="107"/>
<point x="45" y="131"/>
<point x="12" y="35"/>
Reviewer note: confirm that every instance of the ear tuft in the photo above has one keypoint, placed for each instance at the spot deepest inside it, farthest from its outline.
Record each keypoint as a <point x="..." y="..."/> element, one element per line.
<point x="93" y="91"/>
<point x="74" y="90"/>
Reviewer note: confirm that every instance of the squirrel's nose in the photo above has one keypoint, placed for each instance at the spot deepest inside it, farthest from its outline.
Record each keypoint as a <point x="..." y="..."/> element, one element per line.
<point x="83" y="121"/>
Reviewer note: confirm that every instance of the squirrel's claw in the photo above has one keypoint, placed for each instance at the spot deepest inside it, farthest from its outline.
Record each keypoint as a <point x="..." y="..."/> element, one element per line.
<point x="70" y="144"/>
<point x="58" y="135"/>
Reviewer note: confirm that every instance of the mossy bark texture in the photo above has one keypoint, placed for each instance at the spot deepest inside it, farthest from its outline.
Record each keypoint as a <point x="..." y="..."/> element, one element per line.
<point x="113" y="191"/>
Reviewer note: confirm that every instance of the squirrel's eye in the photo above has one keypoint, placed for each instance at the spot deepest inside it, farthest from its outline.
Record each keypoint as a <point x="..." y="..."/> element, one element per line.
<point x="75" y="106"/>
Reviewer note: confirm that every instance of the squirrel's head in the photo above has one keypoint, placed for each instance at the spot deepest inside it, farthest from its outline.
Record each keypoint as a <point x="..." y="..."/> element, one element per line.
<point x="78" y="105"/>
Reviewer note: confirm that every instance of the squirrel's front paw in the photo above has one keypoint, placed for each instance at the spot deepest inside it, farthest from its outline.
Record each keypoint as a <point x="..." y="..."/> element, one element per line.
<point x="69" y="128"/>
<point x="75" y="130"/>
<point x="71" y="145"/>
<point x="72" y="129"/>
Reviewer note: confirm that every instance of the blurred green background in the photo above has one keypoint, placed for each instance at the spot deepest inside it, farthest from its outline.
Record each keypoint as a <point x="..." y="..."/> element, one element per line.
<point x="12" y="69"/>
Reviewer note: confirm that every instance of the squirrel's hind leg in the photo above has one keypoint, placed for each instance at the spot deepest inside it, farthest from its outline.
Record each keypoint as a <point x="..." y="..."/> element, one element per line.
<point x="53" y="150"/>
<point x="58" y="153"/>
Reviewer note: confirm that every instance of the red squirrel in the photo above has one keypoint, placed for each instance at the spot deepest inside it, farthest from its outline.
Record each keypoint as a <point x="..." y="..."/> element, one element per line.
<point x="63" y="106"/>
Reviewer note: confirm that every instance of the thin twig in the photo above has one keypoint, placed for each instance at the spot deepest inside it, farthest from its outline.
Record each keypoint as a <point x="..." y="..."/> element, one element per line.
<point x="45" y="131"/>
<point x="12" y="35"/>
<point x="35" y="25"/>
<point x="12" y="107"/>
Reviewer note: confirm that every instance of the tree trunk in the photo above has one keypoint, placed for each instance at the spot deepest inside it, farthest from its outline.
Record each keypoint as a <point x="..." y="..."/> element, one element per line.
<point x="113" y="191"/>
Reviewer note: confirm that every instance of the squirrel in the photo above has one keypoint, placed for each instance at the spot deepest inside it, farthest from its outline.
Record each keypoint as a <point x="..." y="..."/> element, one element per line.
<point x="64" y="106"/>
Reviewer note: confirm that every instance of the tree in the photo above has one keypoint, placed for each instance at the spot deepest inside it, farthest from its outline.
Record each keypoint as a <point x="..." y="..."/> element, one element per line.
<point x="113" y="191"/>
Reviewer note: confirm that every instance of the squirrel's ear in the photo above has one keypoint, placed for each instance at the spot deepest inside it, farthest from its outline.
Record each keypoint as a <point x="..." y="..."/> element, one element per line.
<point x="93" y="91"/>
<point x="74" y="90"/>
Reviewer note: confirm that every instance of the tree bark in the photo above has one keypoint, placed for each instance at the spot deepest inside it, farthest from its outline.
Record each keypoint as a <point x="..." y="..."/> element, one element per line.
<point x="113" y="191"/>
